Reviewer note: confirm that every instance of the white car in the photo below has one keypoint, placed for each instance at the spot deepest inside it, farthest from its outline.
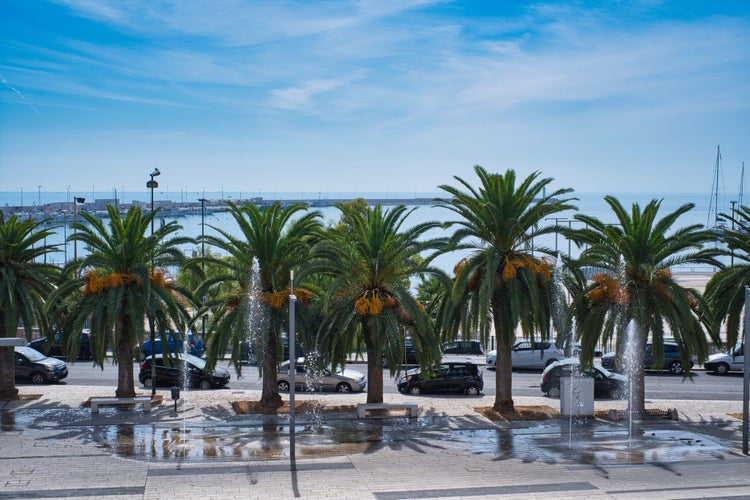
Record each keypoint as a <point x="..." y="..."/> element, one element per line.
<point x="722" y="363"/>
<point x="531" y="355"/>
<point x="340" y="380"/>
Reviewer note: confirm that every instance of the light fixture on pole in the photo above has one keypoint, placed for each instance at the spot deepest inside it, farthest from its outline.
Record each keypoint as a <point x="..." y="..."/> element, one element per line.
<point x="152" y="184"/>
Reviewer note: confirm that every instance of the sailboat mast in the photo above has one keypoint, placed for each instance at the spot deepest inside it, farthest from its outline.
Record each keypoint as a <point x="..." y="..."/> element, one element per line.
<point x="742" y="182"/>
<point x="714" y="193"/>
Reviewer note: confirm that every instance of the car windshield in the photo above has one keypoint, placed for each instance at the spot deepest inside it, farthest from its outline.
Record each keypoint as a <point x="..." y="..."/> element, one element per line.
<point x="32" y="354"/>
<point x="195" y="361"/>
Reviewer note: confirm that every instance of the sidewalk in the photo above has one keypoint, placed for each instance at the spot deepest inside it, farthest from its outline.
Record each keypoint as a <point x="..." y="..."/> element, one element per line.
<point x="51" y="447"/>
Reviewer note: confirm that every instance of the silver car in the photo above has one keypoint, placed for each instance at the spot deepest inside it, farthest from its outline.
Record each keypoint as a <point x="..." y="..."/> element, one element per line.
<point x="340" y="380"/>
<point x="723" y="363"/>
<point x="531" y="355"/>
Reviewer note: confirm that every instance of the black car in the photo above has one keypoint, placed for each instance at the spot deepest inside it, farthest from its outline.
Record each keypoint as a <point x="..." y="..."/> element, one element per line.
<point x="468" y="347"/>
<point x="449" y="377"/>
<point x="37" y="368"/>
<point x="183" y="370"/>
<point x="606" y="384"/>
<point x="55" y="350"/>
<point x="672" y="360"/>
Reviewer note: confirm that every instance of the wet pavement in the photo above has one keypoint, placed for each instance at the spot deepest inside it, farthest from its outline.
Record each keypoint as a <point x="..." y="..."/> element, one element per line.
<point x="52" y="447"/>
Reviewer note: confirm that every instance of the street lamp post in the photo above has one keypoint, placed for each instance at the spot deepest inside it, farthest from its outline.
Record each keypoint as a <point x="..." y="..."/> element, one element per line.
<point x="203" y="262"/>
<point x="76" y="201"/>
<point x="152" y="184"/>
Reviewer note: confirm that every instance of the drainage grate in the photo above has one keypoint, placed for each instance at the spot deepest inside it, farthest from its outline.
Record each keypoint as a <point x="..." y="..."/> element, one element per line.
<point x="616" y="415"/>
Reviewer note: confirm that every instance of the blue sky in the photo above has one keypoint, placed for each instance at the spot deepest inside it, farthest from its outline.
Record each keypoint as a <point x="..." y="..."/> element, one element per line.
<point x="366" y="96"/>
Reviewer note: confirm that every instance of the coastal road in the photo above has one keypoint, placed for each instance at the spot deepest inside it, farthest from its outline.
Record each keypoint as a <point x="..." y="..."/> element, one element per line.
<point x="704" y="386"/>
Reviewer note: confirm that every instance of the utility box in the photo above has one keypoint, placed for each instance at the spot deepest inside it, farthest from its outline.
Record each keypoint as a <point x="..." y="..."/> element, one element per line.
<point x="577" y="396"/>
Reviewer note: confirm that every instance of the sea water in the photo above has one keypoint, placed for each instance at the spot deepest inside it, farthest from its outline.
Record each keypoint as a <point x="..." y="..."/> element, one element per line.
<point x="592" y="204"/>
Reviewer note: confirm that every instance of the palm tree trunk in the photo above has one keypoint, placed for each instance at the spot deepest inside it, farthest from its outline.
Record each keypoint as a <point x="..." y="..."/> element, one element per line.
<point x="374" y="371"/>
<point x="125" y="380"/>
<point x="503" y="366"/>
<point x="503" y="380"/>
<point x="270" y="399"/>
<point x="8" y="390"/>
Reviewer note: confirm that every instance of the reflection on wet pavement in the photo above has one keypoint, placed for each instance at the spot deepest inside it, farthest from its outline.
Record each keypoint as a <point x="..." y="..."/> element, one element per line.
<point x="143" y="437"/>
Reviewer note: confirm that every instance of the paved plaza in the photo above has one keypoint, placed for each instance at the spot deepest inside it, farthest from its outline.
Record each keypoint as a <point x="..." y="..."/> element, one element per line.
<point x="52" y="446"/>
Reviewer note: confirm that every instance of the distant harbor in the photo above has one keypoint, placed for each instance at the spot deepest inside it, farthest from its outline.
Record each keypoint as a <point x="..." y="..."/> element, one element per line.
<point x="65" y="212"/>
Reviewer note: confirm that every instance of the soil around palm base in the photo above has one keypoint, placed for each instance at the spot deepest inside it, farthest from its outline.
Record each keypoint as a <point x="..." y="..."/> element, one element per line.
<point x="541" y="412"/>
<point x="24" y="397"/>
<point x="308" y="406"/>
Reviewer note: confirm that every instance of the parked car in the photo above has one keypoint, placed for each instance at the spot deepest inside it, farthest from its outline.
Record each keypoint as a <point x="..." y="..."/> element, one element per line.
<point x="37" y="368"/>
<point x="55" y="350"/>
<point x="174" y="344"/>
<point x="724" y="362"/>
<point x="409" y="355"/>
<point x="531" y="355"/>
<point x="467" y="347"/>
<point x="607" y="384"/>
<point x="183" y="370"/>
<point x="672" y="360"/>
<point x="339" y="380"/>
<point x="449" y="377"/>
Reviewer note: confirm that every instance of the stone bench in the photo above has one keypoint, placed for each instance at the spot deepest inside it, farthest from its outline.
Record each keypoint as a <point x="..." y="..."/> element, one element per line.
<point x="363" y="408"/>
<point x="97" y="402"/>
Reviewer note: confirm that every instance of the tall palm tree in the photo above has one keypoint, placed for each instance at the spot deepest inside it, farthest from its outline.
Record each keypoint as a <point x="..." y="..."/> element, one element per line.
<point x="503" y="283"/>
<point x="635" y="290"/>
<point x="725" y="291"/>
<point x="371" y="259"/>
<point x="25" y="283"/>
<point x="278" y="239"/>
<point x="122" y="281"/>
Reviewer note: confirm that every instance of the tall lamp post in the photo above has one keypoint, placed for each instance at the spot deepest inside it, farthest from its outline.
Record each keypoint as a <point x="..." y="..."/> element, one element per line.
<point x="203" y="262"/>
<point x="152" y="184"/>
<point x="76" y="201"/>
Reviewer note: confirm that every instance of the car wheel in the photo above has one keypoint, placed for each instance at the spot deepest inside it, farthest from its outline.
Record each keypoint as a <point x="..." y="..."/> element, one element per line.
<point x="85" y="355"/>
<point x="615" y="393"/>
<point x="205" y="384"/>
<point x="384" y="362"/>
<point x="472" y="390"/>
<point x="343" y="387"/>
<point x="554" y="392"/>
<point x="38" y="378"/>
<point x="147" y="383"/>
<point x="722" y="369"/>
<point x="415" y="389"/>
<point x="283" y="386"/>
<point x="675" y="367"/>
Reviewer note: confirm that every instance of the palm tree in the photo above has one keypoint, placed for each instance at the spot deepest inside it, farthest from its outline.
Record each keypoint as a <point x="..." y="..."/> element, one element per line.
<point x="370" y="259"/>
<point x="725" y="291"/>
<point x="123" y="280"/>
<point x="503" y="283"/>
<point x="635" y="289"/>
<point x="24" y="286"/>
<point x="278" y="239"/>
